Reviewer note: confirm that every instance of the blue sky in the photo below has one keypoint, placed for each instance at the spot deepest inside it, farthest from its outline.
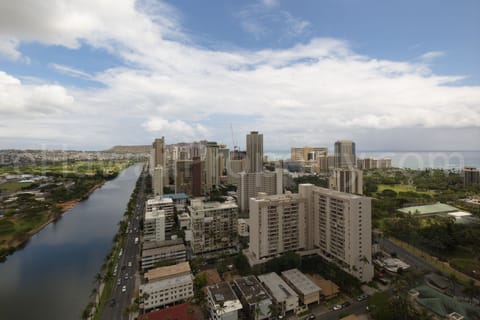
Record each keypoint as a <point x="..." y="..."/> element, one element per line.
<point x="401" y="75"/>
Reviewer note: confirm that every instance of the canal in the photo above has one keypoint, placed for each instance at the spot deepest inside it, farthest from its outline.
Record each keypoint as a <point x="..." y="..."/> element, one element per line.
<point x="53" y="275"/>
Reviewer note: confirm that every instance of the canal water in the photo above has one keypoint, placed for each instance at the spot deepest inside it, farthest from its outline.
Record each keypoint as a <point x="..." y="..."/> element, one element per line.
<point x="53" y="275"/>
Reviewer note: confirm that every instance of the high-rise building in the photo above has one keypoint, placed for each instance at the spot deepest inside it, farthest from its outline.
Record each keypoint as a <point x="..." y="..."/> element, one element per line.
<point x="157" y="181"/>
<point x="345" y="154"/>
<point x="342" y="228"/>
<point x="335" y="225"/>
<point x="213" y="225"/>
<point x="254" y="152"/>
<point x="250" y="184"/>
<point x="211" y="166"/>
<point x="162" y="204"/>
<point x="277" y="224"/>
<point x="158" y="147"/>
<point x="349" y="180"/>
<point x="325" y="163"/>
<point x="154" y="225"/>
<point x="471" y="176"/>
<point x="190" y="177"/>
<point x="307" y="153"/>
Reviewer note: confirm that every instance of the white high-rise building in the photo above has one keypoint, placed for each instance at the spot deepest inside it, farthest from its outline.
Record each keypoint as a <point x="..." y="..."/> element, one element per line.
<point x="335" y="225"/>
<point x="154" y="225"/>
<point x="277" y="224"/>
<point x="213" y="225"/>
<point x="349" y="180"/>
<point x="165" y="204"/>
<point x="212" y="166"/>
<point x="342" y="225"/>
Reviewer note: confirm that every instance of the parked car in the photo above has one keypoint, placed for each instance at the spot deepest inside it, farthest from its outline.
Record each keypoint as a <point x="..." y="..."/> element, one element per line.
<point x="362" y="297"/>
<point x="336" y="307"/>
<point x="346" y="304"/>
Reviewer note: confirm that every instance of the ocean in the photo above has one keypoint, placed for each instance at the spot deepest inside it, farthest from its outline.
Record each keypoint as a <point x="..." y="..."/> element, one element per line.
<point x="412" y="159"/>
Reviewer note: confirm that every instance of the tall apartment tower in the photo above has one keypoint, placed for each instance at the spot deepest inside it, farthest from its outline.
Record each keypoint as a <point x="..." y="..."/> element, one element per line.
<point x="333" y="224"/>
<point x="349" y="180"/>
<point x="158" y="152"/>
<point x="342" y="228"/>
<point x="254" y="152"/>
<point x="471" y="176"/>
<point x="345" y="154"/>
<point x="211" y="166"/>
<point x="277" y="224"/>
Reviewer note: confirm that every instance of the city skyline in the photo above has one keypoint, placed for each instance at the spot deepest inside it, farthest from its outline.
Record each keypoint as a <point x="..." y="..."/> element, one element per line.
<point x="390" y="77"/>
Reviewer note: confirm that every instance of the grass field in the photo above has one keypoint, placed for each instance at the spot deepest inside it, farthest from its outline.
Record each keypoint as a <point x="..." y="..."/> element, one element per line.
<point x="78" y="167"/>
<point x="14" y="186"/>
<point x="401" y="188"/>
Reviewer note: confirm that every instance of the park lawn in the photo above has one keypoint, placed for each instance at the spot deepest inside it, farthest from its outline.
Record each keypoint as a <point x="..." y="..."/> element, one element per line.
<point x="14" y="186"/>
<point x="77" y="167"/>
<point x="467" y="266"/>
<point x="402" y="188"/>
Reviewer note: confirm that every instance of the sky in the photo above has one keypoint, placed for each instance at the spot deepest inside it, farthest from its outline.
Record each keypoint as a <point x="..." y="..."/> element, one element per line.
<point x="390" y="75"/>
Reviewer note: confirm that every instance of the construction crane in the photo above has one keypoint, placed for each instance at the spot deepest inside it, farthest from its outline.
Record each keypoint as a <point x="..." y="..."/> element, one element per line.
<point x="235" y="146"/>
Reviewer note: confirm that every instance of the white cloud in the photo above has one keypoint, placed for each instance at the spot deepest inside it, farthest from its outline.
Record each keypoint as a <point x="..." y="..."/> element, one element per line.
<point x="261" y="21"/>
<point x="8" y="49"/>
<point x="431" y="55"/>
<point x="177" y="128"/>
<point x="29" y="101"/>
<point x="170" y="86"/>
<point x="270" y="3"/>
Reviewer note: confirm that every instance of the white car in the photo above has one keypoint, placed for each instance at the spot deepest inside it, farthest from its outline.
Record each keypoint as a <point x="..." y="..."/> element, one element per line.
<point x="124" y="288"/>
<point x="337" y="307"/>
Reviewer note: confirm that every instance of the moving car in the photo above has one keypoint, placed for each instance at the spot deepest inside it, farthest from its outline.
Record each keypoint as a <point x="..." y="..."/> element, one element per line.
<point x="124" y="288"/>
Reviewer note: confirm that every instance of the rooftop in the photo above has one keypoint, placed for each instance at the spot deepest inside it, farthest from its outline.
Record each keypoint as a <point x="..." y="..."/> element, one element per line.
<point x="251" y="289"/>
<point x="176" y="196"/>
<point x="333" y="193"/>
<point x="158" y="200"/>
<point x="179" y="312"/>
<point x="429" y="209"/>
<point x="300" y="281"/>
<point x="164" y="249"/>
<point x="278" y="288"/>
<point x="154" y="214"/>
<point x="222" y="292"/>
<point x="160" y="244"/>
<point x="168" y="271"/>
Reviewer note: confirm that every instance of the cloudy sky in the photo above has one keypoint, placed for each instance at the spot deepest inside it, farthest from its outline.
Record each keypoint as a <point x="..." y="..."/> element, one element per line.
<point x="89" y="74"/>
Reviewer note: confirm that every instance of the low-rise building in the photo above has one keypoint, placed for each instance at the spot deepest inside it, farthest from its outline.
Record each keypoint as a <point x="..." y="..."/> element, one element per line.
<point x="307" y="290"/>
<point x="254" y="298"/>
<point x="223" y="302"/>
<point x="154" y="252"/>
<point x="284" y="296"/>
<point x="167" y="285"/>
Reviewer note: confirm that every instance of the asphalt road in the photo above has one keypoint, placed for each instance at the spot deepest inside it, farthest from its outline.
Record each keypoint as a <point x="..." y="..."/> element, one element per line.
<point x="414" y="261"/>
<point x="355" y="308"/>
<point x="117" y="303"/>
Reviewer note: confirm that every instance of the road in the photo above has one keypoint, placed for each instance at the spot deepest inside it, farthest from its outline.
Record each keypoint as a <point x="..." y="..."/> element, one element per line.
<point x="321" y="313"/>
<point x="126" y="275"/>
<point x="414" y="261"/>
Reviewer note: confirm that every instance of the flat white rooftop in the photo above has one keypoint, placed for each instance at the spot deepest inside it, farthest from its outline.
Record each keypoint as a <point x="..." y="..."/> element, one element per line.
<point x="301" y="282"/>
<point x="277" y="286"/>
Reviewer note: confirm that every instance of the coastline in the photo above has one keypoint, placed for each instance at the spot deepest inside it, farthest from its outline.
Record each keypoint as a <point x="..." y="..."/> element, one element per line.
<point x="64" y="207"/>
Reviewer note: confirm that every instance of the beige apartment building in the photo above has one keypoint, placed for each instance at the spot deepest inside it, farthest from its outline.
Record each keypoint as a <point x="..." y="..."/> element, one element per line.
<point x="213" y="226"/>
<point x="335" y="225"/>
<point x="349" y="180"/>
<point x="164" y="204"/>
<point x="342" y="225"/>
<point x="307" y="153"/>
<point x="277" y="224"/>
<point x="167" y="285"/>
